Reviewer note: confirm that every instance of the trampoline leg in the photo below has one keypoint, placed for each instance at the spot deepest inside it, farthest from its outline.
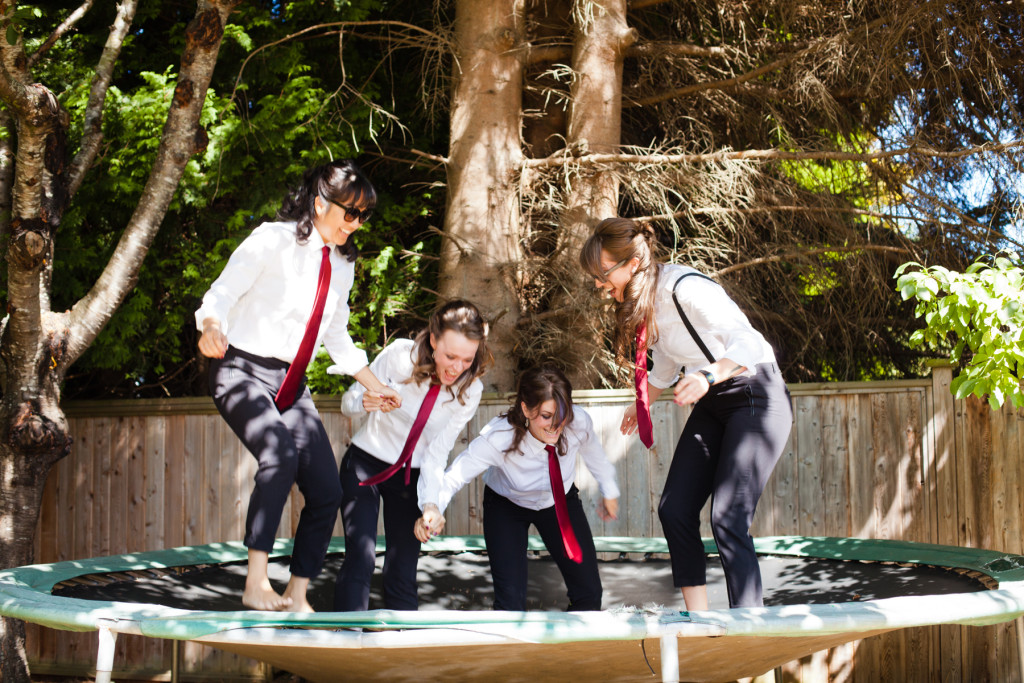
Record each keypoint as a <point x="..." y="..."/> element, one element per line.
<point x="670" y="658"/>
<point x="105" y="655"/>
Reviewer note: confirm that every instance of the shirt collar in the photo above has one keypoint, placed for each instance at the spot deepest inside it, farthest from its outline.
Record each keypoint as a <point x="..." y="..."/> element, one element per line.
<point x="535" y="445"/>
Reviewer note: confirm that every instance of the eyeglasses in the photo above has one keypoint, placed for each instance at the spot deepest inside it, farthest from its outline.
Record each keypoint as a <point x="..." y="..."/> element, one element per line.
<point x="605" y="274"/>
<point x="352" y="213"/>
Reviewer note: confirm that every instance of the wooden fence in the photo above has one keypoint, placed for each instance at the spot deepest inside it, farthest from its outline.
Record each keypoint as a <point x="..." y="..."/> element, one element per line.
<point x="893" y="460"/>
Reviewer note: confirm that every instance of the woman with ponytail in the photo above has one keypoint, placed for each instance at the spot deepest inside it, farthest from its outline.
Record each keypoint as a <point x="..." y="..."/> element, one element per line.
<point x="703" y="344"/>
<point x="398" y="459"/>
<point x="530" y="454"/>
<point x="283" y="292"/>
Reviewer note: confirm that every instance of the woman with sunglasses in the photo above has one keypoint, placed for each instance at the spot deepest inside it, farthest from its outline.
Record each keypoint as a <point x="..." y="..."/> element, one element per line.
<point x="528" y="456"/>
<point x="398" y="459"/>
<point x="284" y="291"/>
<point x="741" y="414"/>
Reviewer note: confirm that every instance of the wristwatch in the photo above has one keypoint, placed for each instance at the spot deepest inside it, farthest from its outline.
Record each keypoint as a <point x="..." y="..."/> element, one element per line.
<point x="708" y="376"/>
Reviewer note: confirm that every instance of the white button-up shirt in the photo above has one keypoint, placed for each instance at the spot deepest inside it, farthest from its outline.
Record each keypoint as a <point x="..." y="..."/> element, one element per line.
<point x="383" y="435"/>
<point x="522" y="476"/>
<point x="721" y="324"/>
<point x="265" y="295"/>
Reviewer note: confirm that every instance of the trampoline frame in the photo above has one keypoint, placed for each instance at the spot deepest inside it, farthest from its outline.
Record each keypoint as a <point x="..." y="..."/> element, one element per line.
<point x="25" y="593"/>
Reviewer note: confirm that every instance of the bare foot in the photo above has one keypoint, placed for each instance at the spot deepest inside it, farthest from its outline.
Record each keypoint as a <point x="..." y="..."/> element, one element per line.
<point x="296" y="594"/>
<point x="263" y="597"/>
<point x="301" y="606"/>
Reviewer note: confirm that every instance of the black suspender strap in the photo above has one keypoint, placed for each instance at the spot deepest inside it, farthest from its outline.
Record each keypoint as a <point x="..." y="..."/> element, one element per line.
<point x="686" y="321"/>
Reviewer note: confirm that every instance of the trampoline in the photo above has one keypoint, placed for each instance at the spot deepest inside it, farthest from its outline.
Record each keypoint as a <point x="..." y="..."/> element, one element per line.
<point x="819" y="593"/>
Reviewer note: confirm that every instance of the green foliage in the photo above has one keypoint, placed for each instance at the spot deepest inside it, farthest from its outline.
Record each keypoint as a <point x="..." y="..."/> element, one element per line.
<point x="292" y="106"/>
<point x="981" y="312"/>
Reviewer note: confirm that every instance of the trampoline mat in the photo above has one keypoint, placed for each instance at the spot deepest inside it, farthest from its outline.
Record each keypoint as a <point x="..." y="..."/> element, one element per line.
<point x="461" y="581"/>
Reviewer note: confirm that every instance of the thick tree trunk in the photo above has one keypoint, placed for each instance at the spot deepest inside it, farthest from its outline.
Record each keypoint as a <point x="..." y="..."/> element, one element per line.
<point x="36" y="345"/>
<point x="595" y="111"/>
<point x="482" y="224"/>
<point x="595" y="127"/>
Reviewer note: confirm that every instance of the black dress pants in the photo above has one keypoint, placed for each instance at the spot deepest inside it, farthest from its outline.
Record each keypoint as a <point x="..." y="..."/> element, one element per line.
<point x="360" y="506"/>
<point x="290" y="447"/>
<point x="506" y="527"/>
<point x="728" y="449"/>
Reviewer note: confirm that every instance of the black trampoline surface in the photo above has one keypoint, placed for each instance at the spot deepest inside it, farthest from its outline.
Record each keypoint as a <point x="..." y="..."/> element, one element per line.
<point x="461" y="581"/>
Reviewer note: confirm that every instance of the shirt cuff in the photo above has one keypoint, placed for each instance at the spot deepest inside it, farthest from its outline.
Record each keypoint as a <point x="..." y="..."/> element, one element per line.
<point x="354" y="361"/>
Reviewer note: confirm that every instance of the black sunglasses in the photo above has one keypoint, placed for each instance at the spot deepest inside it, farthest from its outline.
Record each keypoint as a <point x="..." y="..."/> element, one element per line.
<point x="352" y="213"/>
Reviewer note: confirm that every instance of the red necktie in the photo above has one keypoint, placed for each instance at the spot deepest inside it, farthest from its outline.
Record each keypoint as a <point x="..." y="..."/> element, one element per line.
<point x="410" y="441"/>
<point x="572" y="546"/>
<point x="643" y="401"/>
<point x="297" y="370"/>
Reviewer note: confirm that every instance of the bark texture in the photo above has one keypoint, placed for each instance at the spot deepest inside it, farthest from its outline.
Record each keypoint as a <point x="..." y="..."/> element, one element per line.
<point x="37" y="345"/>
<point x="482" y="223"/>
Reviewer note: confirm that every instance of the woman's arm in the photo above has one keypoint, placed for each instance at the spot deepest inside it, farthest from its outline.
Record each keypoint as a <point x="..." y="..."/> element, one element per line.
<point x="435" y="455"/>
<point x="629" y="424"/>
<point x="693" y="386"/>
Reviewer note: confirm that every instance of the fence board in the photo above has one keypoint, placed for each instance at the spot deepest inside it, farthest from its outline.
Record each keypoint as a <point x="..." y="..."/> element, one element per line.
<point x="809" y="466"/>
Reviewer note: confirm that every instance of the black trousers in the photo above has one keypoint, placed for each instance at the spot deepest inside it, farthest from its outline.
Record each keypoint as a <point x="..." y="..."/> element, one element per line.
<point x="290" y="447"/>
<point x="728" y="449"/>
<point x="360" y="506"/>
<point x="506" y="527"/>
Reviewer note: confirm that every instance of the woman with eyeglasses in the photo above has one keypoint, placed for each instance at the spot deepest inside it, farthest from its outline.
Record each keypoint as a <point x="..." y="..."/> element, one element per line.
<point x="283" y="292"/>
<point x="741" y="414"/>
<point x="397" y="460"/>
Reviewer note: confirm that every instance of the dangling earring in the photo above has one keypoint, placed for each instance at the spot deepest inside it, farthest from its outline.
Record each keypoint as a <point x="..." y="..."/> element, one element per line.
<point x="527" y="421"/>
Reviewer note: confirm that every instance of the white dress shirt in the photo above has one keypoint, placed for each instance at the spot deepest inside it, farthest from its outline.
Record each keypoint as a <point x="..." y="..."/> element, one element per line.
<point x="383" y="435"/>
<point x="721" y="324"/>
<point x="265" y="295"/>
<point x="522" y="476"/>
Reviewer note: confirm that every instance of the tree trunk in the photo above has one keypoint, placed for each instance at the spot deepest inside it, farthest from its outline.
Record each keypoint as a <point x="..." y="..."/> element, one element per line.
<point x="482" y="223"/>
<point x="36" y="345"/>
<point x="595" y="113"/>
<point x="595" y="127"/>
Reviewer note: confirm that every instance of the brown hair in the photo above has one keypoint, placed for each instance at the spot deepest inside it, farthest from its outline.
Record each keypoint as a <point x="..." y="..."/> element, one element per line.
<point x="624" y="240"/>
<point x="539" y="384"/>
<point x="458" y="316"/>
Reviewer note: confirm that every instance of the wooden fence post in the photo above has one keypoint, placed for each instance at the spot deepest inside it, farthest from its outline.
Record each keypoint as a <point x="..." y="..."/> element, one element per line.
<point x="944" y="500"/>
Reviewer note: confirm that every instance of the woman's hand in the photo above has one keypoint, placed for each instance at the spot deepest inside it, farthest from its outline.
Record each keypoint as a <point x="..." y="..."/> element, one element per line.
<point x="213" y="343"/>
<point x="378" y="396"/>
<point x="374" y="400"/>
<point x="389" y="399"/>
<point x="430" y="524"/>
<point x="608" y="509"/>
<point x="629" y="425"/>
<point x="690" y="389"/>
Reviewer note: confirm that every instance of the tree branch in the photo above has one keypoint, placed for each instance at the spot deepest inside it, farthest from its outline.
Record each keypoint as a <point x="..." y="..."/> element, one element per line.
<point x="6" y="172"/>
<point x="750" y="75"/>
<point x="335" y="24"/>
<point x="808" y="252"/>
<point x="182" y="136"/>
<point x="710" y="210"/>
<point x="659" y="48"/>
<point x="92" y="129"/>
<point x="565" y="157"/>
<point x="640" y="4"/>
<point x="432" y="157"/>
<point x="65" y="26"/>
